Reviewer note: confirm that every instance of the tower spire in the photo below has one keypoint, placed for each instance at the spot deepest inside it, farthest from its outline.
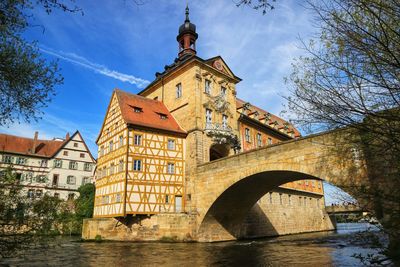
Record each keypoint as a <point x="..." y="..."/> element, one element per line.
<point x="187" y="36"/>
<point x="187" y="13"/>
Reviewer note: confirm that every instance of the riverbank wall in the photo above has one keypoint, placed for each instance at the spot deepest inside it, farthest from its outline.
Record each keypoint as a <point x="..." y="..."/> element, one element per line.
<point x="177" y="227"/>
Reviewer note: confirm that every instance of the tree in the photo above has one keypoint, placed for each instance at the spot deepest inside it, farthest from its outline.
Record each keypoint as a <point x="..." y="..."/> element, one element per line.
<point x="263" y="5"/>
<point x="84" y="204"/>
<point x="24" y="219"/>
<point x="27" y="81"/>
<point x="351" y="78"/>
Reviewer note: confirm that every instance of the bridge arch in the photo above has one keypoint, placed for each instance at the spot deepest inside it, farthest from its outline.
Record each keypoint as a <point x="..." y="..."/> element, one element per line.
<point x="224" y="218"/>
<point x="227" y="188"/>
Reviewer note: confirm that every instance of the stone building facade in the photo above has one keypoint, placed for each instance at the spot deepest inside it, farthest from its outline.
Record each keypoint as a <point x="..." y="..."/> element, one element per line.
<point x="57" y="167"/>
<point x="200" y="96"/>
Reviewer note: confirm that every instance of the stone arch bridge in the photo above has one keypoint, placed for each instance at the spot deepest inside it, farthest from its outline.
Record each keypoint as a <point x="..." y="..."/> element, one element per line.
<point x="226" y="189"/>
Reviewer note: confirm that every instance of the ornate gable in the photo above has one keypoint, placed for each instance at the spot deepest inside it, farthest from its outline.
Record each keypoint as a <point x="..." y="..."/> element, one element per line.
<point x="219" y="64"/>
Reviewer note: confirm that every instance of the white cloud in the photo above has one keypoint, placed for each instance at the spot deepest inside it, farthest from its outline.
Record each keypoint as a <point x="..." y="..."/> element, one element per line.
<point x="83" y="62"/>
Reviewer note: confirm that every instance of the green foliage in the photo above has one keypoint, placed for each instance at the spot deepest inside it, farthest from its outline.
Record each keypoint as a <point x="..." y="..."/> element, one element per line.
<point x="27" y="81"/>
<point x="84" y="204"/>
<point x="350" y="77"/>
<point x="24" y="220"/>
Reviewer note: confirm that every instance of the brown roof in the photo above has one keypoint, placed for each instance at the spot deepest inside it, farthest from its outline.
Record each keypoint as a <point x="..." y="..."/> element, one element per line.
<point x="273" y="118"/>
<point x="150" y="115"/>
<point x="24" y="146"/>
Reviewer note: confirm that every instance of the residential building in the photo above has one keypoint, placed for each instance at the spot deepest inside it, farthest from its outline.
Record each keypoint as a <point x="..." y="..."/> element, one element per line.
<point x="56" y="167"/>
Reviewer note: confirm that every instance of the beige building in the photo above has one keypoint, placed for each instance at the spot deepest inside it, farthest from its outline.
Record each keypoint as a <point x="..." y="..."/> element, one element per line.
<point x="57" y="167"/>
<point x="151" y="144"/>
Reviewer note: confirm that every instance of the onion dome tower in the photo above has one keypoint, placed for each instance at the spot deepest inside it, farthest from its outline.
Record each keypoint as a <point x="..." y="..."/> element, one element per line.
<point x="187" y="37"/>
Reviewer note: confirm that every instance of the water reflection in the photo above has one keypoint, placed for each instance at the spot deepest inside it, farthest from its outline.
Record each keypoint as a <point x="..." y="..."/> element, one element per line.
<point x="316" y="249"/>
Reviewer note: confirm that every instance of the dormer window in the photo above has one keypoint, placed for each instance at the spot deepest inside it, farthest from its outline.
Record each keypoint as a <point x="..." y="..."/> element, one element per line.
<point x="163" y="116"/>
<point x="137" y="109"/>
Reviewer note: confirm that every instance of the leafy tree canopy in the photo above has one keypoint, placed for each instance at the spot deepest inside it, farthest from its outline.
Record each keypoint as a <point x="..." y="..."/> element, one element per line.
<point x="27" y="80"/>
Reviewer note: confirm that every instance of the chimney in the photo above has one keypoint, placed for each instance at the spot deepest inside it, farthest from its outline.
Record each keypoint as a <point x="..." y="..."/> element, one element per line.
<point x="67" y="136"/>
<point x="35" y="138"/>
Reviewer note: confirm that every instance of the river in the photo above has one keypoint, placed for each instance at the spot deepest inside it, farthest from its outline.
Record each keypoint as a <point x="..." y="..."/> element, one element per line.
<point x="313" y="249"/>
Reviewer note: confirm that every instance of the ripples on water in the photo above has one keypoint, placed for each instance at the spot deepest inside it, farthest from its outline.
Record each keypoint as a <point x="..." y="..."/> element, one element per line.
<point x="314" y="249"/>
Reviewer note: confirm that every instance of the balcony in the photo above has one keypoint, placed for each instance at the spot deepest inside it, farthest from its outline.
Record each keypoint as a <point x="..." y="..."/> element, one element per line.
<point x="218" y="127"/>
<point x="222" y="134"/>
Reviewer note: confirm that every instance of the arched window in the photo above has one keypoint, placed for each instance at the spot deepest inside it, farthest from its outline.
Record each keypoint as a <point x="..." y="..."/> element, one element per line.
<point x="71" y="179"/>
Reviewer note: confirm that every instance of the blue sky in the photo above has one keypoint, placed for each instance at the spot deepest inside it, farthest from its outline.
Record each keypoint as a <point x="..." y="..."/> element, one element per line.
<point x="117" y="44"/>
<point x="120" y="44"/>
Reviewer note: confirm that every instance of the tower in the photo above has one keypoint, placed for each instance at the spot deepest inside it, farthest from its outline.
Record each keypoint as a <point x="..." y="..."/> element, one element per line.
<point x="187" y="37"/>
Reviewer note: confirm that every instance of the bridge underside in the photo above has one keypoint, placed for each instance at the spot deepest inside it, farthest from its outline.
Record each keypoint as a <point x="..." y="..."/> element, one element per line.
<point x="226" y="218"/>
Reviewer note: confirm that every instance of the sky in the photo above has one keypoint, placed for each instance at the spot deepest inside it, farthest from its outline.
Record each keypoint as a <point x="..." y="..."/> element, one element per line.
<point x="119" y="44"/>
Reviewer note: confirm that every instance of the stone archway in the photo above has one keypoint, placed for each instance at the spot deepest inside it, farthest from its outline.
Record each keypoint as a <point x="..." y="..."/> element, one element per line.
<point x="227" y="188"/>
<point x="218" y="151"/>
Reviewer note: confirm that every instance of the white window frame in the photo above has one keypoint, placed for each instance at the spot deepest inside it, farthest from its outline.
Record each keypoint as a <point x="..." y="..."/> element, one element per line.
<point x="110" y="146"/>
<point x="137" y="140"/>
<point x="259" y="139"/>
<point x="121" y="140"/>
<point x="224" y="121"/>
<point x="85" y="180"/>
<point x="137" y="165"/>
<point x="8" y="159"/>
<point x="208" y="116"/>
<point x="87" y="167"/>
<point x="21" y="161"/>
<point x="41" y="179"/>
<point x="58" y="163"/>
<point x="71" y="180"/>
<point x="171" y="168"/>
<point x="43" y="163"/>
<point x="73" y="165"/>
<point x="171" y="144"/>
<point x="207" y="86"/>
<point x="247" y="135"/>
<point x="178" y="89"/>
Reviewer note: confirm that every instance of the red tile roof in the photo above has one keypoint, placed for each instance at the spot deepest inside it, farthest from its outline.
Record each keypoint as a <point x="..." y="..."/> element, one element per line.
<point x="23" y="145"/>
<point x="273" y="118"/>
<point x="149" y="115"/>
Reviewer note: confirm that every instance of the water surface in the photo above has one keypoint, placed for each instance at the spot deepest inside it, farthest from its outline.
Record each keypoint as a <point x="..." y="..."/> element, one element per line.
<point x="313" y="249"/>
